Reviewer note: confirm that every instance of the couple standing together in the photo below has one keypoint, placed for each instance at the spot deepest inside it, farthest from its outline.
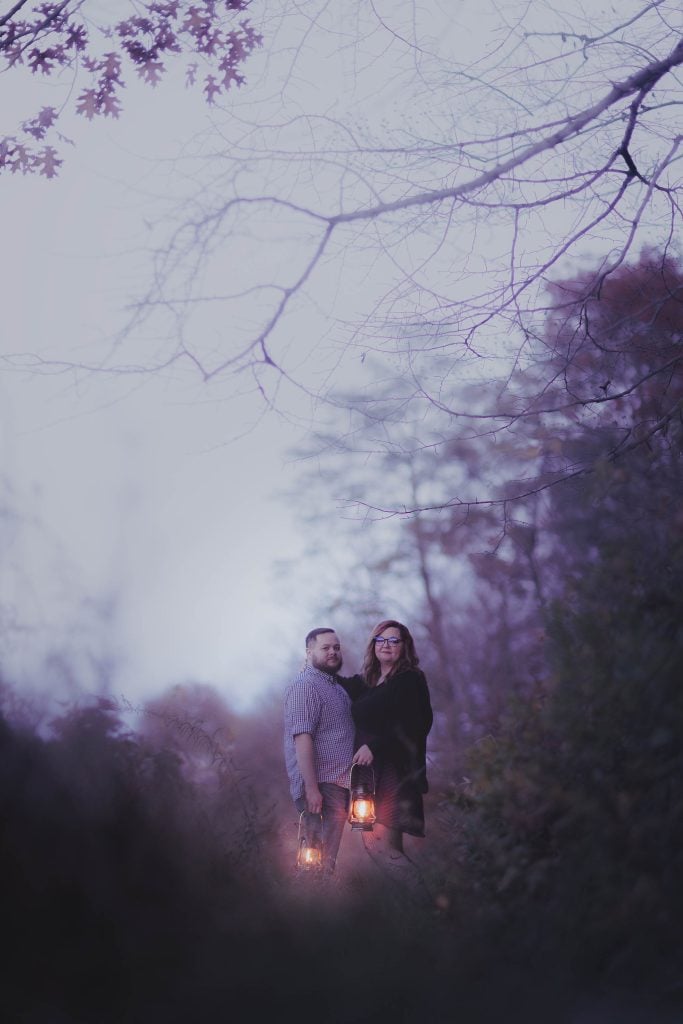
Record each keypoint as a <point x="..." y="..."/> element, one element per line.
<point x="380" y="718"/>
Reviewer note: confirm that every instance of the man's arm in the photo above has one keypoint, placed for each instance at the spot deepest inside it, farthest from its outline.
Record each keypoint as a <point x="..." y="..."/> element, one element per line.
<point x="303" y="742"/>
<point x="354" y="685"/>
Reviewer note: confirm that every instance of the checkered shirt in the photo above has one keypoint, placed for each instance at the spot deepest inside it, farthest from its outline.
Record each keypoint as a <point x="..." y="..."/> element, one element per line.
<point x="316" y="703"/>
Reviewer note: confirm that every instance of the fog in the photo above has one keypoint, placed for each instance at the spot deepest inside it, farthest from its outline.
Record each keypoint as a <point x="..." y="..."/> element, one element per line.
<point x="393" y="329"/>
<point x="144" y="515"/>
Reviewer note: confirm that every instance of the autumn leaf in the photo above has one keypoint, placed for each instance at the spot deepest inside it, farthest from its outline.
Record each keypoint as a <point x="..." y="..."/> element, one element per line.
<point x="231" y="76"/>
<point x="109" y="105"/>
<point x="41" y="60"/>
<point x="211" y="88"/>
<point x="20" y="159"/>
<point x="87" y="104"/>
<point x="39" y="125"/>
<point x="54" y="34"/>
<point x="111" y="67"/>
<point x="151" y="71"/>
<point x="195" y="22"/>
<point x="49" y="162"/>
<point x="76" y="38"/>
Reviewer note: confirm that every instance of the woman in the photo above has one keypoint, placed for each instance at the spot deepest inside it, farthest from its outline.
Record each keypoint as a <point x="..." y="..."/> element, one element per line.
<point x="393" y="716"/>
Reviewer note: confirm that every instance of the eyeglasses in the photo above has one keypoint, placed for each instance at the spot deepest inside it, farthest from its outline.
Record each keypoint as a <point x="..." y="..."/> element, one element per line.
<point x="391" y="640"/>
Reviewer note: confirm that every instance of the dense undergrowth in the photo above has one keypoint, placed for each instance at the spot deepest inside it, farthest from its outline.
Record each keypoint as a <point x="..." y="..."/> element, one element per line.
<point x="143" y="879"/>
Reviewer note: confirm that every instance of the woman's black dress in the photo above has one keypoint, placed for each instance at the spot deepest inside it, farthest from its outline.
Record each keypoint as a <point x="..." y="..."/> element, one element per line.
<point x="394" y="719"/>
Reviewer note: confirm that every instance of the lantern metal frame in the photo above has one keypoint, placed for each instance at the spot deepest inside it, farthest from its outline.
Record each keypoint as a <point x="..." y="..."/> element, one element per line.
<point x="306" y="865"/>
<point x="363" y="792"/>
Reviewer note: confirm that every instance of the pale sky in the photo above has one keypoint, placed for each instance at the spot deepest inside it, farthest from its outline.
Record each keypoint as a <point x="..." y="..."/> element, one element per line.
<point x="143" y="513"/>
<point x="130" y="488"/>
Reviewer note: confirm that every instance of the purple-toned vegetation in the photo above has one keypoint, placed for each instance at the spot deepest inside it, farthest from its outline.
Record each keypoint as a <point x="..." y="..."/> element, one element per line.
<point x="61" y="39"/>
<point x="147" y="868"/>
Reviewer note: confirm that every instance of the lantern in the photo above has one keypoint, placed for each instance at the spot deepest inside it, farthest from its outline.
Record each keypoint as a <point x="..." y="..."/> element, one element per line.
<point x="362" y="801"/>
<point x="309" y="852"/>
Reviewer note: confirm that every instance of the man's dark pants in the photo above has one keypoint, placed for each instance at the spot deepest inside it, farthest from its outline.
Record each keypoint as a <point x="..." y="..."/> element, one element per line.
<point x="335" y="814"/>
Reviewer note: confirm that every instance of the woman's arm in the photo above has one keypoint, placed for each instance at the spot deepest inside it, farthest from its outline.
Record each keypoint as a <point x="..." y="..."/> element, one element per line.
<point x="412" y="705"/>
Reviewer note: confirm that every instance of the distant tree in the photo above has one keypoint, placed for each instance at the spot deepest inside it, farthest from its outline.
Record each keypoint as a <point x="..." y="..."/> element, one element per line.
<point x="571" y="810"/>
<point x="78" y="42"/>
<point x="236" y="760"/>
<point x="559" y="878"/>
<point x="459" y="578"/>
<point x="611" y="353"/>
<point x="565" y="818"/>
<point x="624" y="332"/>
<point x="476" y="580"/>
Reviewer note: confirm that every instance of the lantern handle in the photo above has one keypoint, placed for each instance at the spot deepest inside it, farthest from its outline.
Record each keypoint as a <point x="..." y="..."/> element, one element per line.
<point x="301" y="818"/>
<point x="362" y="766"/>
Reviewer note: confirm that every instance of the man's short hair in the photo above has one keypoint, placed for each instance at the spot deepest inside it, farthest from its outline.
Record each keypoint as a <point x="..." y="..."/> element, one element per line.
<point x="310" y="637"/>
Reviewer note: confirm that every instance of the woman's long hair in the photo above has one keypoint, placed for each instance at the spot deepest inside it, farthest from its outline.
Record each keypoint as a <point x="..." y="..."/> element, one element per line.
<point x="409" y="659"/>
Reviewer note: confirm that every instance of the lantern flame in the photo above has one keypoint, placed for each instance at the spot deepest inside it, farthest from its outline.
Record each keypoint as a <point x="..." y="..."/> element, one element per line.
<point x="362" y="809"/>
<point x="309" y="856"/>
<point x="362" y="812"/>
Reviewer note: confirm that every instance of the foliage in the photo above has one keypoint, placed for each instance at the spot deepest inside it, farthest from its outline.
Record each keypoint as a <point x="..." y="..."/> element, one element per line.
<point x="130" y="901"/>
<point x="549" y="611"/>
<point x="573" y="812"/>
<point x="476" y="580"/>
<point x="236" y="762"/>
<point x="126" y="907"/>
<point x="52" y="39"/>
<point x="555" y="818"/>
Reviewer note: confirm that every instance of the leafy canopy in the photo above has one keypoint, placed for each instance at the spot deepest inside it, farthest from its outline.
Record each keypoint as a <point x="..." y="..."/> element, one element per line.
<point x="53" y="39"/>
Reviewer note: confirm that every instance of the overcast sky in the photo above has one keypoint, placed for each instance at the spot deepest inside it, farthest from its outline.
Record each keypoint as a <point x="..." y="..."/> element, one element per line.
<point x="143" y="514"/>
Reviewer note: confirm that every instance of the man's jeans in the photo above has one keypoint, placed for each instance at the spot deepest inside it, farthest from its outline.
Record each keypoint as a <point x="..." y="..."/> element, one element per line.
<point x="335" y="813"/>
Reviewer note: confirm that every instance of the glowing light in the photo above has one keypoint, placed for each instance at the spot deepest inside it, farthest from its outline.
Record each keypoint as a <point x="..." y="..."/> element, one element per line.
<point x="309" y="854"/>
<point x="362" y="804"/>
<point x="363" y="809"/>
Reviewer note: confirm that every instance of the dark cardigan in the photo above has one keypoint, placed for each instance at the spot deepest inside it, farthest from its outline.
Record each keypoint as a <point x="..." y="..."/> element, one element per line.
<point x="394" y="720"/>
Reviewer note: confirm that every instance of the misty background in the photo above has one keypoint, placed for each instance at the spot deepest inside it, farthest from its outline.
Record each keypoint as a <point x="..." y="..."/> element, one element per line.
<point x="145" y="514"/>
<point x="392" y="329"/>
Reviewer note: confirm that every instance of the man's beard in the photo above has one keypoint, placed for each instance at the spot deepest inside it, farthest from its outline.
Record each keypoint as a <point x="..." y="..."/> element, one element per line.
<point x="322" y="666"/>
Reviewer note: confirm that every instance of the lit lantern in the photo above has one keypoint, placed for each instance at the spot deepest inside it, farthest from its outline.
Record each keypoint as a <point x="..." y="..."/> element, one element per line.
<point x="309" y="853"/>
<point x="362" y="801"/>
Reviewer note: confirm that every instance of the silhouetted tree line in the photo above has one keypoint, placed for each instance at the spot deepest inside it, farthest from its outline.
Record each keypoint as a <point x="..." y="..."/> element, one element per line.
<point x="133" y="894"/>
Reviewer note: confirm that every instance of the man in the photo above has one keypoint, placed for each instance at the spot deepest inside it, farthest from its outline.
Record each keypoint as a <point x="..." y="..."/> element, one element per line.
<point x="319" y="740"/>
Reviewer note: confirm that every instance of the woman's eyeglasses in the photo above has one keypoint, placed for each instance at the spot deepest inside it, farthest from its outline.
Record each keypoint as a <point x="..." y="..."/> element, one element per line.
<point x="391" y="640"/>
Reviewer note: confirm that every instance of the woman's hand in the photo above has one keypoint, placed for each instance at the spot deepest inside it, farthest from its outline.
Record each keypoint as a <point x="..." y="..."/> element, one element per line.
<point x="363" y="755"/>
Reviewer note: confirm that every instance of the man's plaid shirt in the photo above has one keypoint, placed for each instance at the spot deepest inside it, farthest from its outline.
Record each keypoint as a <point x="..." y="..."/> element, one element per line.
<point x="316" y="703"/>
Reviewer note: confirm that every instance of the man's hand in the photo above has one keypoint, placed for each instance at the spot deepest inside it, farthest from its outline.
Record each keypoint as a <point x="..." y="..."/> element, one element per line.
<point x="363" y="755"/>
<point x="314" y="800"/>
